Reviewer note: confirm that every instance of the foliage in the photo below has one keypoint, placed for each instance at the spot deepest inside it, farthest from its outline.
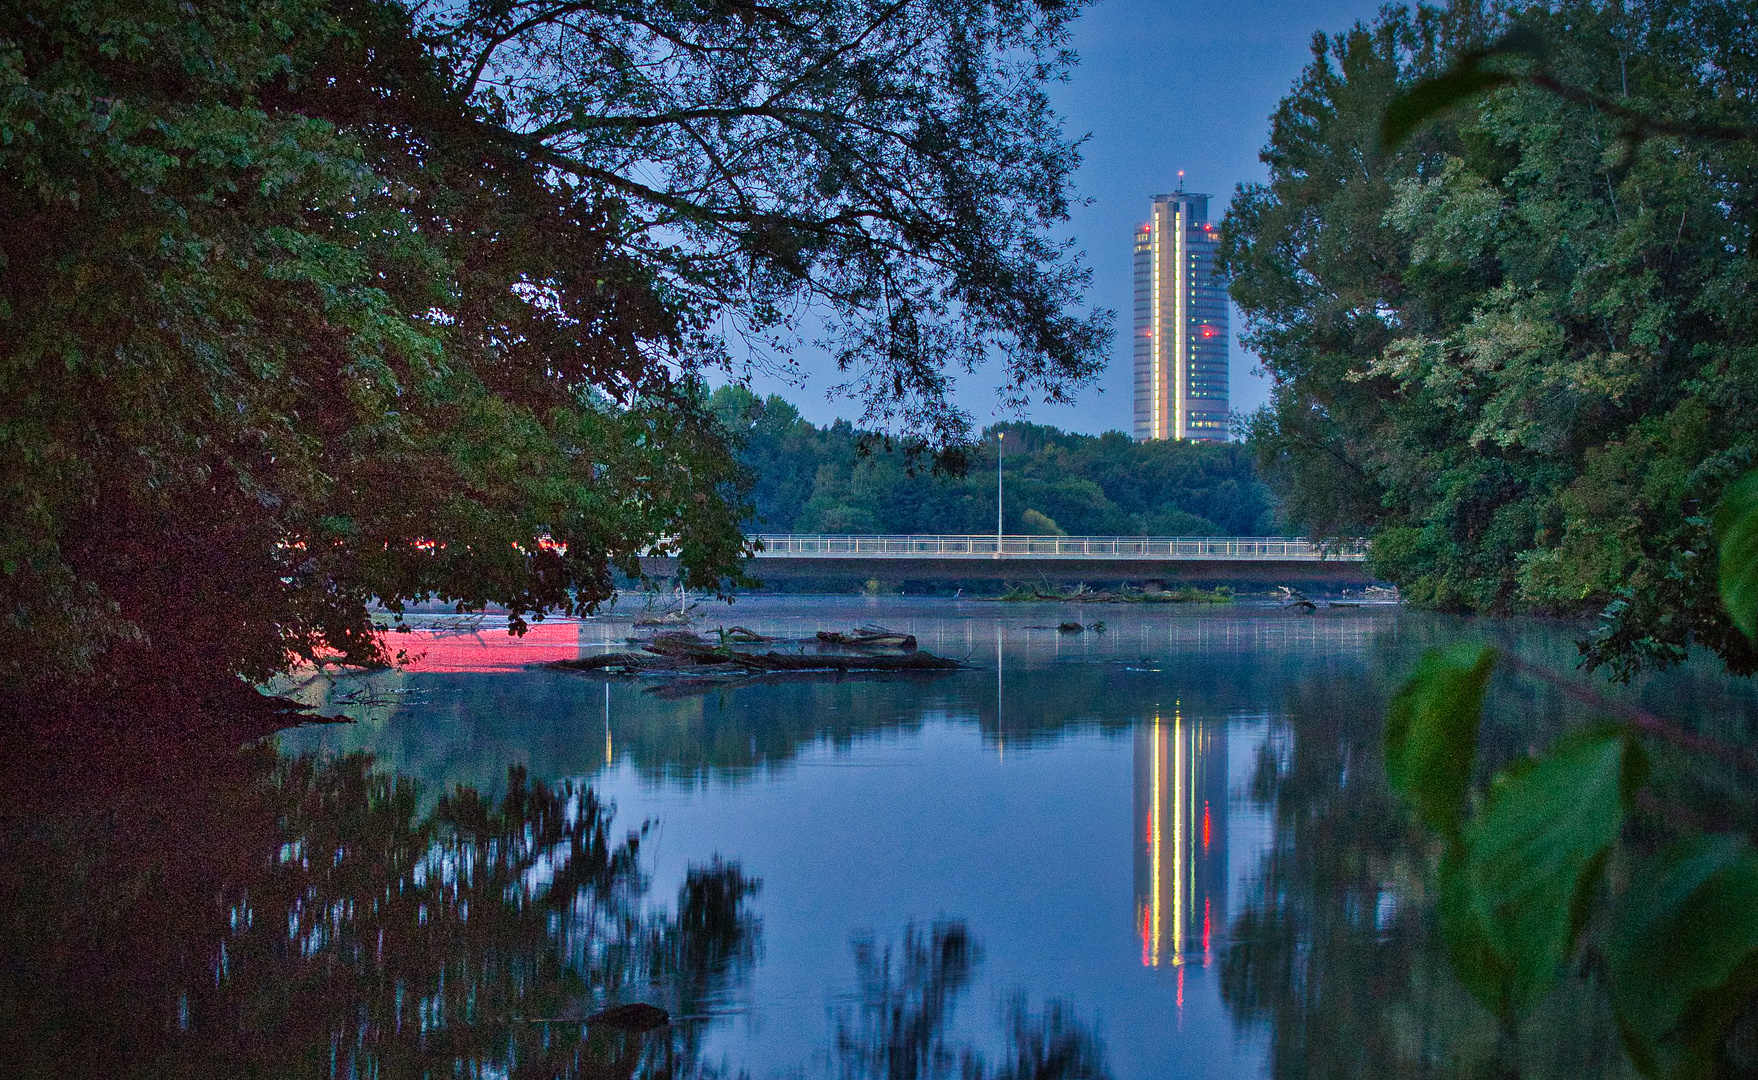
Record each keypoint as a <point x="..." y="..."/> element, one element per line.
<point x="1512" y="345"/>
<point x="1525" y="881"/>
<point x="310" y="302"/>
<point x="1736" y="525"/>
<point x="841" y="479"/>
<point x="272" y="358"/>
<point x="1430" y="720"/>
<point x="891" y="169"/>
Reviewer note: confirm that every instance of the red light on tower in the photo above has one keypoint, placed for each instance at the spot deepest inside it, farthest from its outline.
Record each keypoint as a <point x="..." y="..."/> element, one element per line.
<point x="1208" y="331"/>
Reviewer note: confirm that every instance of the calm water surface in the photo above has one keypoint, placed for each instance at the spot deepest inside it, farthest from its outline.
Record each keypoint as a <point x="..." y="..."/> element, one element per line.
<point x="1166" y="847"/>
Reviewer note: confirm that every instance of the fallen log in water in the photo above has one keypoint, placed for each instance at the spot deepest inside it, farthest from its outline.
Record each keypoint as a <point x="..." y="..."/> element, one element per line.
<point x="679" y="647"/>
<point x="869" y="637"/>
<point x="683" y="654"/>
<point x="599" y="663"/>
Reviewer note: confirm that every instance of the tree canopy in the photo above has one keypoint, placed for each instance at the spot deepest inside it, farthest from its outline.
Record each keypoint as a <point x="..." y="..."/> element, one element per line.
<point x="306" y="303"/>
<point x="888" y="166"/>
<point x="1516" y="347"/>
<point x="841" y="479"/>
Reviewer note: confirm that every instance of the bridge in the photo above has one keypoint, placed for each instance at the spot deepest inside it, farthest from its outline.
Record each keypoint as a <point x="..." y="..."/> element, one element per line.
<point x="797" y="557"/>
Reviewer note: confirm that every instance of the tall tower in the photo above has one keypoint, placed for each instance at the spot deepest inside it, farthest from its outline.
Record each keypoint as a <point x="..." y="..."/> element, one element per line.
<point x="1180" y="323"/>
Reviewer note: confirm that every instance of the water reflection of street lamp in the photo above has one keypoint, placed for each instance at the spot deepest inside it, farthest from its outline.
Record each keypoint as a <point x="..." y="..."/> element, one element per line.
<point x="999" y="447"/>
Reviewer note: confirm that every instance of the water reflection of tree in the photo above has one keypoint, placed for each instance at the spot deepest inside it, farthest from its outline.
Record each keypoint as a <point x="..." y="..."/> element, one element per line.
<point x="465" y="728"/>
<point x="249" y="916"/>
<point x="898" y="1024"/>
<point x="1336" y="951"/>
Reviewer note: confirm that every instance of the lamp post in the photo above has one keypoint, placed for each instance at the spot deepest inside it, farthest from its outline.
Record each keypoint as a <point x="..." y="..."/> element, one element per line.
<point x="1000" y="447"/>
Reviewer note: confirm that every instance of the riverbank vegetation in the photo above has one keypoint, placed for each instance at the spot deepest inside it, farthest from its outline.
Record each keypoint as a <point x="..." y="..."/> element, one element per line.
<point x="1516" y="347"/>
<point x="309" y="302"/>
<point x="841" y="479"/>
<point x="1621" y="852"/>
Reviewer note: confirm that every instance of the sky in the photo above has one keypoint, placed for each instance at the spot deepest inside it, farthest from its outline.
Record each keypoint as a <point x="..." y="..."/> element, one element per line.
<point x="1162" y="85"/>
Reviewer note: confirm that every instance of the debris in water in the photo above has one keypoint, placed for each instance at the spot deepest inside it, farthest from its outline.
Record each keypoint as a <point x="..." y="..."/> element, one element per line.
<point x="635" y="1019"/>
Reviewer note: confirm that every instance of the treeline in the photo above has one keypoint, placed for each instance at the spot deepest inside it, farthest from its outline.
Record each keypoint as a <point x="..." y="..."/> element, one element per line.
<point x="818" y="479"/>
<point x="1516" y="348"/>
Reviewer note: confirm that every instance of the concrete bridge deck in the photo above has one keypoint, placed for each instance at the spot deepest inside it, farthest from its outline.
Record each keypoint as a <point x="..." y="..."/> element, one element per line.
<point x="789" y="557"/>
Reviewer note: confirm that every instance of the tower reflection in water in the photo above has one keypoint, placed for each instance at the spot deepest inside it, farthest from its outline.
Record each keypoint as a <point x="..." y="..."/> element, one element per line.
<point x="1180" y="839"/>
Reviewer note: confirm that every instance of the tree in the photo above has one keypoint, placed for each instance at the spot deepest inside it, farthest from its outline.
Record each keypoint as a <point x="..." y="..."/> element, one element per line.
<point x="307" y="304"/>
<point x="1513" y="347"/>
<point x="892" y="166"/>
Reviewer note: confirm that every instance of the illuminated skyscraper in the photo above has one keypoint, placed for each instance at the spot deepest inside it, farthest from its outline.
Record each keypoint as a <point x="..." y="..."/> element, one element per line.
<point x="1180" y="323"/>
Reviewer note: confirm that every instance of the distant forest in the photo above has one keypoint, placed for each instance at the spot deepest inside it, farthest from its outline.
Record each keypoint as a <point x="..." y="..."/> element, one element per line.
<point x="814" y="479"/>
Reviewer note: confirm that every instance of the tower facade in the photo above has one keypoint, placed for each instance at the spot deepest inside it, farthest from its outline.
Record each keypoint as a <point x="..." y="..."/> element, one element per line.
<point x="1181" y="324"/>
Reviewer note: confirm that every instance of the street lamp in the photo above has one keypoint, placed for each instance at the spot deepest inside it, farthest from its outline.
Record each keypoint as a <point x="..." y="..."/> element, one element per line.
<point x="1000" y="437"/>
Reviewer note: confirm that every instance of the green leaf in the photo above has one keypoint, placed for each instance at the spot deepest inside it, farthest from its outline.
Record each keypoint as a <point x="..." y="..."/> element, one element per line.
<point x="1469" y="949"/>
<point x="1534" y="855"/>
<point x="1682" y="953"/>
<point x="1431" y="732"/>
<point x="1736" y="529"/>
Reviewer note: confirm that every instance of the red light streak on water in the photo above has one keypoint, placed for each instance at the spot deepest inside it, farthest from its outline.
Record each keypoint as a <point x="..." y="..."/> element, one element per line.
<point x="1207" y="955"/>
<point x="489" y="649"/>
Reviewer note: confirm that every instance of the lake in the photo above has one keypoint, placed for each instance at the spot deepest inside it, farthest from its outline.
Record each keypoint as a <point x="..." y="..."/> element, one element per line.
<point x="1160" y="848"/>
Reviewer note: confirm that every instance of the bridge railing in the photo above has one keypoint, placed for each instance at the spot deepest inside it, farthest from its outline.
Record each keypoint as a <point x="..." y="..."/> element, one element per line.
<point x="1249" y="548"/>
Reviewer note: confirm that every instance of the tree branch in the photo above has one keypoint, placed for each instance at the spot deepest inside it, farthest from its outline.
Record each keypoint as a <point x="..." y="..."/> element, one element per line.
<point x="1641" y="123"/>
<point x="1644" y="721"/>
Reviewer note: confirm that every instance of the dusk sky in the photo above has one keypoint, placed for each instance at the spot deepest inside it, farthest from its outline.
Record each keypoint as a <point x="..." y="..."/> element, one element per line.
<point x="1162" y="85"/>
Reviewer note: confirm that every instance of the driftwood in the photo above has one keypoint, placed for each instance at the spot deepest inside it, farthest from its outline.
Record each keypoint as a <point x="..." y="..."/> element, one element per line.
<point x="682" y="647"/>
<point x="664" y="618"/>
<point x="869" y="637"/>
<point x="599" y="663"/>
<point x="689" y="656"/>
